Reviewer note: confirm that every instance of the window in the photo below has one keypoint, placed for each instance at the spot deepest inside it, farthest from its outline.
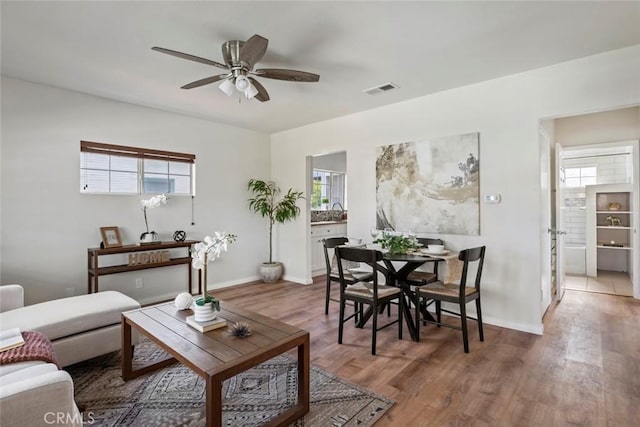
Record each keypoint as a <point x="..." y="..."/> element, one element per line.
<point x="106" y="168"/>
<point x="579" y="177"/>
<point x="328" y="188"/>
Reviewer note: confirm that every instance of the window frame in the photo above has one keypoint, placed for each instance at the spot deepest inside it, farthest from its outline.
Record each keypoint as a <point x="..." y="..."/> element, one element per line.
<point x="141" y="154"/>
<point x="331" y="173"/>
<point x="581" y="176"/>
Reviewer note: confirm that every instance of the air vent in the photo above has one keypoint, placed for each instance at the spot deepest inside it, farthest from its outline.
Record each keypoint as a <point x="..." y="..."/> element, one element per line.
<point x="385" y="87"/>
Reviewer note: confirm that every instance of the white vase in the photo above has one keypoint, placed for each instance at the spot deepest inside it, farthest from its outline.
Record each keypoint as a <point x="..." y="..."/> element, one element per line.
<point x="150" y="237"/>
<point x="203" y="313"/>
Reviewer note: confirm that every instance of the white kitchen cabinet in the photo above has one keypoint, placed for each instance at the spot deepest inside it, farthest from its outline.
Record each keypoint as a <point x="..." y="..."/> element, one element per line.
<point x="609" y="228"/>
<point x="320" y="232"/>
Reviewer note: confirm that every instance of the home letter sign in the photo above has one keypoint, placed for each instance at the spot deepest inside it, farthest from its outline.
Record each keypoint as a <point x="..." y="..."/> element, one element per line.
<point x="149" y="257"/>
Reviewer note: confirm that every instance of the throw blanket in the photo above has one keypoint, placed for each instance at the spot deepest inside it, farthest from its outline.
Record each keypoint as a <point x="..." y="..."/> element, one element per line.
<point x="36" y="347"/>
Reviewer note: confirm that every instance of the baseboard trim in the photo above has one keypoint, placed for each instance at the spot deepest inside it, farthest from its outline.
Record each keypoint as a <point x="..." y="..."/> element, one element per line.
<point x="531" y="329"/>
<point x="194" y="291"/>
<point x="234" y="282"/>
<point x="488" y="320"/>
<point x="159" y="298"/>
<point x="298" y="280"/>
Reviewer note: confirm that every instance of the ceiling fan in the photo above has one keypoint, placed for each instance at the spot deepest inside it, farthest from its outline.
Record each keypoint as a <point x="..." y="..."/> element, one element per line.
<point x="239" y="59"/>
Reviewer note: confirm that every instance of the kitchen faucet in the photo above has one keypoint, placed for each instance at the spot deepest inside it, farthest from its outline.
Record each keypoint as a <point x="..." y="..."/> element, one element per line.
<point x="341" y="210"/>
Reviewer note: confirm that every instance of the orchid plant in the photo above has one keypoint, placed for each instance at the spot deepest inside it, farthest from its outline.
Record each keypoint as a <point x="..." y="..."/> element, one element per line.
<point x="203" y="253"/>
<point x="153" y="202"/>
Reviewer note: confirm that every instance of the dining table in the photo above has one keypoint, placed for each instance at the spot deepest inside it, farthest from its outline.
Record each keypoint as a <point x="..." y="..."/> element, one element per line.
<point x="397" y="275"/>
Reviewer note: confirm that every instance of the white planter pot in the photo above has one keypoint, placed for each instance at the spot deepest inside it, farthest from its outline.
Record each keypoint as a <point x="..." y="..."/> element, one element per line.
<point x="271" y="272"/>
<point x="203" y="313"/>
<point x="150" y="237"/>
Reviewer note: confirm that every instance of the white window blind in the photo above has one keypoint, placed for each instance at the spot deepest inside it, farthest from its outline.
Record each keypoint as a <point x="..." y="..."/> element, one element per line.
<point x="107" y="168"/>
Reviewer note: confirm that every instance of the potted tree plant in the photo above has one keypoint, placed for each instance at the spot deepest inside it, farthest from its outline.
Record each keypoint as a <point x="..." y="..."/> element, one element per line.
<point x="267" y="203"/>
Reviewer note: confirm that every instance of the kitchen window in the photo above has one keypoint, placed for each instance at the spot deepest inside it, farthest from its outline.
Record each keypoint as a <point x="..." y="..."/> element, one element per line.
<point x="118" y="169"/>
<point x="328" y="189"/>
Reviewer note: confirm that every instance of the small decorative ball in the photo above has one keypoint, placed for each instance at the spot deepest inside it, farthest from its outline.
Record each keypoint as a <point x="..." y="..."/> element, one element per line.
<point x="179" y="236"/>
<point x="183" y="301"/>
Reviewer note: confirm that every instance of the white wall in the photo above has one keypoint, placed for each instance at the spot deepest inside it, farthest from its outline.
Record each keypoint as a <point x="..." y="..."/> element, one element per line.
<point x="336" y="162"/>
<point x="47" y="225"/>
<point x="594" y="128"/>
<point x="506" y="112"/>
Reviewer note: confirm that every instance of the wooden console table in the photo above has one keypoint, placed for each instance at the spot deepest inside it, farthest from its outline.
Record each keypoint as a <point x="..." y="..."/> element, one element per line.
<point x="94" y="271"/>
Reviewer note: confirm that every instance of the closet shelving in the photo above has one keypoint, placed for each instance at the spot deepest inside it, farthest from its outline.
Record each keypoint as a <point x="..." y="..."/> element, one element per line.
<point x="609" y="227"/>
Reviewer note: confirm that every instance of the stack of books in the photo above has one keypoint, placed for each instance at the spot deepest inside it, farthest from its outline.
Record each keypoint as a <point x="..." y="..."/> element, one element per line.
<point x="216" y="323"/>
<point x="10" y="338"/>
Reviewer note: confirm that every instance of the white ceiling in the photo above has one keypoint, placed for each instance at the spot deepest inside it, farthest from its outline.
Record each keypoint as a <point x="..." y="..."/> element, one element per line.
<point x="104" y="48"/>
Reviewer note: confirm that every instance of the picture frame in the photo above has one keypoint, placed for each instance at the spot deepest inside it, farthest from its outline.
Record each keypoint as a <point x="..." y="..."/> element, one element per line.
<point x="111" y="237"/>
<point x="430" y="186"/>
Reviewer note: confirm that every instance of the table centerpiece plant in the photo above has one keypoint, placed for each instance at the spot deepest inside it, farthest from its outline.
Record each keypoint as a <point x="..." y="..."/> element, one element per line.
<point x="153" y="202"/>
<point x="396" y="243"/>
<point x="202" y="254"/>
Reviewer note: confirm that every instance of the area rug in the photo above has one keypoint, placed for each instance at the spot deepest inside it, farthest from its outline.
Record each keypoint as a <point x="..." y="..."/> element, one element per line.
<point x="174" y="396"/>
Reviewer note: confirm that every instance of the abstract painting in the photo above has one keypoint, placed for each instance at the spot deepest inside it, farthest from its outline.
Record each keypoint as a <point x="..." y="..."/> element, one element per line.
<point x="430" y="186"/>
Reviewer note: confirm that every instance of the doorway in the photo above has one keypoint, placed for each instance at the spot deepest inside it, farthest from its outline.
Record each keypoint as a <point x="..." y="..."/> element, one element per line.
<point x="598" y="230"/>
<point x="585" y="144"/>
<point x="327" y="204"/>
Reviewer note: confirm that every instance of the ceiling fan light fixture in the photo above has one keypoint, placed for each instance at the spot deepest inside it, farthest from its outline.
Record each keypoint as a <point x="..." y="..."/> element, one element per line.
<point x="240" y="58"/>
<point x="251" y="91"/>
<point x="226" y="86"/>
<point x="242" y="83"/>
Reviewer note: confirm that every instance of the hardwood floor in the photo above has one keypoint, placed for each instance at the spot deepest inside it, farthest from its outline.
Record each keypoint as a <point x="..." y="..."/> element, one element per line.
<point x="584" y="370"/>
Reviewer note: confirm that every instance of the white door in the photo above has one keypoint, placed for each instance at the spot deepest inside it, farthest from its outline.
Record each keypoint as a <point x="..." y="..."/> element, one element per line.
<point x="545" y="221"/>
<point x="559" y="233"/>
<point x="635" y="252"/>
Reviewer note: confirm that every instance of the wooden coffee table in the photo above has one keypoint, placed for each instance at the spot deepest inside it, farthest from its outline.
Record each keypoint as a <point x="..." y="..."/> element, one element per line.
<point x="217" y="355"/>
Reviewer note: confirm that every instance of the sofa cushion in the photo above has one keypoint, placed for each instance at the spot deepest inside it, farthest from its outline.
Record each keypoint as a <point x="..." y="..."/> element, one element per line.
<point x="27" y="371"/>
<point x="12" y="367"/>
<point x="69" y="316"/>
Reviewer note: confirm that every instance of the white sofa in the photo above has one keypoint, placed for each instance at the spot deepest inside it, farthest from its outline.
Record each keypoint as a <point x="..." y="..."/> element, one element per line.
<point x="36" y="394"/>
<point x="80" y="328"/>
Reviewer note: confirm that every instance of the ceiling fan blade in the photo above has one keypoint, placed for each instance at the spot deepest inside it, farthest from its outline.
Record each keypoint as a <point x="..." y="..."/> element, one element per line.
<point x="189" y="57"/>
<point x="262" y="95"/>
<point x="253" y="50"/>
<point x="205" y="81"/>
<point x="288" y="75"/>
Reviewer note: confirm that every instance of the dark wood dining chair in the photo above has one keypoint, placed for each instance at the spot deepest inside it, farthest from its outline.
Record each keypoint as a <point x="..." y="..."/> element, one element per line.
<point x="370" y="294"/>
<point x="419" y="278"/>
<point x="332" y="269"/>
<point x="460" y="294"/>
<point x="424" y="277"/>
